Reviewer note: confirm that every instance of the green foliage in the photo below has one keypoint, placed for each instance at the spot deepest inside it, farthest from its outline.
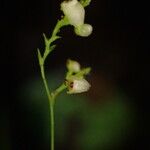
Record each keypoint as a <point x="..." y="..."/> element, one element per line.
<point x="83" y="72"/>
<point x="40" y="57"/>
<point x="49" y="47"/>
<point x="85" y="2"/>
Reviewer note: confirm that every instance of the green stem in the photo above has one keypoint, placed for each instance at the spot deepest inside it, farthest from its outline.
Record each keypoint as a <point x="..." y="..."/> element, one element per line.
<point x="60" y="23"/>
<point x="45" y="82"/>
<point x="52" y="122"/>
<point x="51" y="106"/>
<point x="59" y="90"/>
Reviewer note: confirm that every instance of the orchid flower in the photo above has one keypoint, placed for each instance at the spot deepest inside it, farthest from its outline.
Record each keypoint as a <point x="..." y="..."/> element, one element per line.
<point x="75" y="13"/>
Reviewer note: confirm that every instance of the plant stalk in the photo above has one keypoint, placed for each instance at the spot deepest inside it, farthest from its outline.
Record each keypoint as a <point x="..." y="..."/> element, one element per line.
<point x="51" y="106"/>
<point x="52" y="122"/>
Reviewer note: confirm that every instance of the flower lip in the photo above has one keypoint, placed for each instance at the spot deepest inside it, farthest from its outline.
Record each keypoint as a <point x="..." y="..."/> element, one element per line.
<point x="78" y="86"/>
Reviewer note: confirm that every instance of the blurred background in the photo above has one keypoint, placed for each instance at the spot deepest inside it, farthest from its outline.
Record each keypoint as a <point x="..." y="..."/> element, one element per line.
<point x="113" y="115"/>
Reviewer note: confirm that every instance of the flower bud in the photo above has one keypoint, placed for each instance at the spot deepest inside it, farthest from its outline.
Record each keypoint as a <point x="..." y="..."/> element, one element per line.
<point x="73" y="66"/>
<point x="78" y="86"/>
<point x="84" y="30"/>
<point x="74" y="11"/>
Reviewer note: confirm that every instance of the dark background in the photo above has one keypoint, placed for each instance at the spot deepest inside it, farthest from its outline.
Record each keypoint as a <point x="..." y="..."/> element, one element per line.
<point x="118" y="47"/>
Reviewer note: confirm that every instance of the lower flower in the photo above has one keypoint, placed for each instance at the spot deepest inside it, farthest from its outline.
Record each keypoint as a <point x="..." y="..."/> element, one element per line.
<point x="77" y="86"/>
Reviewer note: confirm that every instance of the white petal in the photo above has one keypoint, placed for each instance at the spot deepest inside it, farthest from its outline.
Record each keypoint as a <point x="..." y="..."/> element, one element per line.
<point x="79" y="86"/>
<point x="74" y="11"/>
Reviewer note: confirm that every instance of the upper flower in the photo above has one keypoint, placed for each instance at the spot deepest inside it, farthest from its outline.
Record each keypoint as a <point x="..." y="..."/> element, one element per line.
<point x="75" y="13"/>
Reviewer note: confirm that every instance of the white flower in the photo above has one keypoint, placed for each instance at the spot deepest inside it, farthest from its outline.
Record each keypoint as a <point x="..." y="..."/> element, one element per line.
<point x="74" y="11"/>
<point x="78" y="86"/>
<point x="84" y="30"/>
<point x="73" y="66"/>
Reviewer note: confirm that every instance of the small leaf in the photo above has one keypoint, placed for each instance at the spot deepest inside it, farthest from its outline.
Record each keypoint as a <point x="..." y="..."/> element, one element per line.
<point x="83" y="72"/>
<point x="54" y="38"/>
<point x="86" y="70"/>
<point x="40" y="57"/>
<point x="52" y="48"/>
<point x="45" y="39"/>
<point x="85" y="2"/>
<point x="47" y="52"/>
